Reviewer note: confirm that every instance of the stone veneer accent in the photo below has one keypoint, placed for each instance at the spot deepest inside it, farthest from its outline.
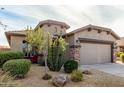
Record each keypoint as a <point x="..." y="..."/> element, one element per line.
<point x="75" y="52"/>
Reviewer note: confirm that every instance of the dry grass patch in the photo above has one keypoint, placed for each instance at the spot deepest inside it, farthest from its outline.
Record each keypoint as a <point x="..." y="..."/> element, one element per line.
<point x="96" y="79"/>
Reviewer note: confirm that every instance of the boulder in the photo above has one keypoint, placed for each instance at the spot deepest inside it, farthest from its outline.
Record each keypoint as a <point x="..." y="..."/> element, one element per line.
<point x="87" y="72"/>
<point x="60" y="80"/>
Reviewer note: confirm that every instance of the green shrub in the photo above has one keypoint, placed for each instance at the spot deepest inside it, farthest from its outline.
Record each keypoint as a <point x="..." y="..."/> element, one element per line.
<point x="17" y="67"/>
<point x="5" y="56"/>
<point x="70" y="65"/>
<point x="122" y="57"/>
<point x="118" y="54"/>
<point x="76" y="76"/>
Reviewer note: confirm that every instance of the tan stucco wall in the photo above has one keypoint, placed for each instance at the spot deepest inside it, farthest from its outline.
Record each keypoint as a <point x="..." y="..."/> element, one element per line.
<point x="120" y="45"/>
<point x="94" y="35"/>
<point x="16" y="42"/>
<point x="120" y="42"/>
<point x="70" y="39"/>
<point x="52" y="29"/>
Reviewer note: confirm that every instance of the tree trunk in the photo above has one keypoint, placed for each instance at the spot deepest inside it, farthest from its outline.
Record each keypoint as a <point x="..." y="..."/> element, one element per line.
<point x="45" y="55"/>
<point x="45" y="64"/>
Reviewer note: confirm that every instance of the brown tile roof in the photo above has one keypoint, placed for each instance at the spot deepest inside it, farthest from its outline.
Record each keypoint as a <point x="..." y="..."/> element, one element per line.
<point x="22" y="32"/>
<point x="52" y="22"/>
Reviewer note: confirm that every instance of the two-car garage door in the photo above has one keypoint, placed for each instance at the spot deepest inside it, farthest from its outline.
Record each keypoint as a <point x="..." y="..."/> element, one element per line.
<point x="95" y="53"/>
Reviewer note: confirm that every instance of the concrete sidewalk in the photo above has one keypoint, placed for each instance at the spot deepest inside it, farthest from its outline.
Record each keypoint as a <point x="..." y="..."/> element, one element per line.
<point x="111" y="68"/>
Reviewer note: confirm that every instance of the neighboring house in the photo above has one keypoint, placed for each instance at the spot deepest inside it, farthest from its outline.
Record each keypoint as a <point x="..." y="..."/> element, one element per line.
<point x="88" y="45"/>
<point x="4" y="48"/>
<point x="120" y="45"/>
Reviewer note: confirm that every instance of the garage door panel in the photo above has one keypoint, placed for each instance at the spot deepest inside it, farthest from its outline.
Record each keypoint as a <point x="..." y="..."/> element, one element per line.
<point x="105" y="53"/>
<point x="93" y="53"/>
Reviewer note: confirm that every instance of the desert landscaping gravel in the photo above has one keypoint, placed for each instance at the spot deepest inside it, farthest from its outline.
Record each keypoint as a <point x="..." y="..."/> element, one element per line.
<point x="96" y="79"/>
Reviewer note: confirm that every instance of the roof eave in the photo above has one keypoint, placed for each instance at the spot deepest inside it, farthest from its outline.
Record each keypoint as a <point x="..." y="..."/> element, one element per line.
<point x="9" y="34"/>
<point x="85" y="27"/>
<point x="115" y="35"/>
<point x="48" y="21"/>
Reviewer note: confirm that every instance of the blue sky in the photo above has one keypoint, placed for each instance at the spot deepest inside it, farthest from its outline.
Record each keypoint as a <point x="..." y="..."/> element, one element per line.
<point x="19" y="17"/>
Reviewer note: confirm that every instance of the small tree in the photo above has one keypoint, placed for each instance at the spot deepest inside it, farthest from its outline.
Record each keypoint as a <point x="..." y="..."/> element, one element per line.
<point x="41" y="39"/>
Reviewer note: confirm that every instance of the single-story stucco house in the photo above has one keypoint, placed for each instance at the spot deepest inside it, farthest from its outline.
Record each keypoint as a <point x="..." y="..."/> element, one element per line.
<point x="89" y="45"/>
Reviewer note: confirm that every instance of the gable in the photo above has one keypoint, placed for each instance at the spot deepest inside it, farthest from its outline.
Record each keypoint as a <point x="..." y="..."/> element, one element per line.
<point x="98" y="29"/>
<point x="94" y="34"/>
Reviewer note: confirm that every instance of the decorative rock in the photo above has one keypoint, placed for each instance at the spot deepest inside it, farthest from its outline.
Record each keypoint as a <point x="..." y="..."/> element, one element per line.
<point x="60" y="81"/>
<point x="86" y="72"/>
<point x="46" y="77"/>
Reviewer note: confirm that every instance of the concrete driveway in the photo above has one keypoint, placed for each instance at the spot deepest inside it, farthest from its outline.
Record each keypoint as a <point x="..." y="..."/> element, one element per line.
<point x="111" y="68"/>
